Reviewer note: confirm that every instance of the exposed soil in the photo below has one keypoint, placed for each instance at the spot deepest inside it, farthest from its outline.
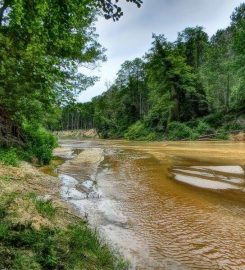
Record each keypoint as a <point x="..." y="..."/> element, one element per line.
<point x="20" y="183"/>
<point x="83" y="133"/>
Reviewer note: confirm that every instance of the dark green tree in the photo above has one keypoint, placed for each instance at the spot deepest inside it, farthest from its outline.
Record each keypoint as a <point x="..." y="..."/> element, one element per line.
<point x="238" y="26"/>
<point x="111" y="9"/>
<point x="192" y="43"/>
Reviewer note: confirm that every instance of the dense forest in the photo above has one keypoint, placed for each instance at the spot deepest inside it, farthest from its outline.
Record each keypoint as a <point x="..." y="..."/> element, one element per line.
<point x="188" y="89"/>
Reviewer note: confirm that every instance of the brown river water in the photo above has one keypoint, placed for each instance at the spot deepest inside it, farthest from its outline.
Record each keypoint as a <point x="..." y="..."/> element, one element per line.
<point x="163" y="205"/>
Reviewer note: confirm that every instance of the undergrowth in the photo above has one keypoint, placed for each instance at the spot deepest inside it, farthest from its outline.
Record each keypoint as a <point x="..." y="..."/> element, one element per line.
<point x="44" y="207"/>
<point x="9" y="156"/>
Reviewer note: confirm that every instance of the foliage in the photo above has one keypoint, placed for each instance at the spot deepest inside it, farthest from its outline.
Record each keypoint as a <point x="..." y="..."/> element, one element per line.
<point x="39" y="142"/>
<point x="112" y="10"/>
<point x="232" y="126"/>
<point x="75" y="247"/>
<point x="221" y="134"/>
<point x="139" y="132"/>
<point x="186" y="89"/>
<point x="9" y="157"/>
<point x="193" y="43"/>
<point x="196" y="80"/>
<point x="43" y="45"/>
<point x="39" y="146"/>
<point x="203" y="128"/>
<point x="180" y="131"/>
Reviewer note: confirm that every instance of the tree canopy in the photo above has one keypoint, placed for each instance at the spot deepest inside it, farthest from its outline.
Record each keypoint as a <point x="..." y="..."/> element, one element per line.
<point x="43" y="45"/>
<point x="189" y="88"/>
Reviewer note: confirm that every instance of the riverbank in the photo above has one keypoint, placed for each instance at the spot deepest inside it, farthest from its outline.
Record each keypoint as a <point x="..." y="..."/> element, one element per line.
<point x="78" y="134"/>
<point x="93" y="134"/>
<point x="38" y="230"/>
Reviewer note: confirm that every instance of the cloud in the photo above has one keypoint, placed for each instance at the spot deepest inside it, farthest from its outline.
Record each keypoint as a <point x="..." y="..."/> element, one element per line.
<point x="131" y="36"/>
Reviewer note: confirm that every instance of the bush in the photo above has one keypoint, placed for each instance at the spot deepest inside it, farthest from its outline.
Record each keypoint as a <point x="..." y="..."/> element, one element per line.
<point x="221" y="134"/>
<point x="39" y="143"/>
<point x="180" y="131"/>
<point x="9" y="157"/>
<point x="203" y="128"/>
<point x="232" y="126"/>
<point x="139" y="132"/>
<point x="214" y="119"/>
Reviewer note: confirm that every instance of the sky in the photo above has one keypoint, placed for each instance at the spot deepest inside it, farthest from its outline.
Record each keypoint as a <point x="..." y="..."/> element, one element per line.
<point x="131" y="36"/>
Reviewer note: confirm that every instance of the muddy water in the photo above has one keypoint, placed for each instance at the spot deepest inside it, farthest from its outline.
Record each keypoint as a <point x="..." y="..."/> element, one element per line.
<point x="164" y="205"/>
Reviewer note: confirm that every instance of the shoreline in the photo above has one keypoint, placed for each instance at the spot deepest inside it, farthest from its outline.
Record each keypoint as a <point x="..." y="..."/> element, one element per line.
<point x="92" y="134"/>
<point x="31" y="200"/>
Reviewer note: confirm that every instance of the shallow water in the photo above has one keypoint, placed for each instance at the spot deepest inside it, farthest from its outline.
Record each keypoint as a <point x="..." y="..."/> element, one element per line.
<point x="164" y="205"/>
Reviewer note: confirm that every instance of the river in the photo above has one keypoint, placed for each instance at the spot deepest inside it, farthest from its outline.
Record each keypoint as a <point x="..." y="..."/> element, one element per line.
<point x="164" y="205"/>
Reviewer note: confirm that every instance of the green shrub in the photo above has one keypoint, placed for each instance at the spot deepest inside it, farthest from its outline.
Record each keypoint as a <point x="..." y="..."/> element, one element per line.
<point x="214" y="119"/>
<point x="139" y="132"/>
<point x="203" y="128"/>
<point x="39" y="143"/>
<point x="232" y="126"/>
<point x="221" y="134"/>
<point x="180" y="131"/>
<point x="9" y="157"/>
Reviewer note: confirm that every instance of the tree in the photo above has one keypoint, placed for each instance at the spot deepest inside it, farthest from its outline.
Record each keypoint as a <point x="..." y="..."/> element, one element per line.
<point x="42" y="45"/>
<point x="181" y="89"/>
<point x="171" y="79"/>
<point x="238" y="26"/>
<point x="218" y="75"/>
<point x="131" y="78"/>
<point x="192" y="43"/>
<point x="112" y="10"/>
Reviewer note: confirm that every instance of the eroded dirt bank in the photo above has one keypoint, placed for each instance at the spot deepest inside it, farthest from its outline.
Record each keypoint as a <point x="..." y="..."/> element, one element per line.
<point x="26" y="180"/>
<point x="165" y="205"/>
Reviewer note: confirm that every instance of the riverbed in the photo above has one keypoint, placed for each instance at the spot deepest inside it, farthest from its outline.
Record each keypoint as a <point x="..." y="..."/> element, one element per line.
<point x="163" y="205"/>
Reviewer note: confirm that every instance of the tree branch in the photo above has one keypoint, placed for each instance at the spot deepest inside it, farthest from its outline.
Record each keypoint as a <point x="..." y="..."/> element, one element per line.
<point x="111" y="10"/>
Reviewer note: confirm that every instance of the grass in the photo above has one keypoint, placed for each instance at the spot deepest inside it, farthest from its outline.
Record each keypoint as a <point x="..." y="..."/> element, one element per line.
<point x="43" y="206"/>
<point x="74" y="246"/>
<point x="9" y="157"/>
<point x="6" y="178"/>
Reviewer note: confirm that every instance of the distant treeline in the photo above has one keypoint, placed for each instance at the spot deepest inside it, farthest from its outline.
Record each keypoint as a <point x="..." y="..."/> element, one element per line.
<point x="190" y="88"/>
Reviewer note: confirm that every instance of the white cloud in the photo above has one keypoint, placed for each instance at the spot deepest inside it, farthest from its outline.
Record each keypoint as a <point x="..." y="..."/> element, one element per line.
<point x="131" y="36"/>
